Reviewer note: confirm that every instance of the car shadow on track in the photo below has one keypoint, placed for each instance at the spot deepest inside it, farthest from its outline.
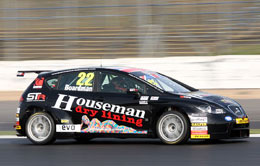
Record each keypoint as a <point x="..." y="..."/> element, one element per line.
<point x="128" y="141"/>
<point x="114" y="141"/>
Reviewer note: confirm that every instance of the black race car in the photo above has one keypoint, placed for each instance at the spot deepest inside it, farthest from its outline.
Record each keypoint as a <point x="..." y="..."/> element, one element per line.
<point x="86" y="103"/>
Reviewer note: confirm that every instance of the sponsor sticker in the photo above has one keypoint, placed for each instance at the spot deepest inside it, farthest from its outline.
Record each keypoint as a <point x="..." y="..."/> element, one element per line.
<point x="198" y="124"/>
<point x="38" y="83"/>
<point x="154" y="98"/>
<point x="143" y="102"/>
<point x="199" y="132"/>
<point x="199" y="128"/>
<point x="133" y="90"/>
<point x="68" y="128"/>
<point x="185" y="97"/>
<point x="205" y="136"/>
<point x="226" y="101"/>
<point x="18" y="111"/>
<point x="199" y="119"/>
<point x="18" y="127"/>
<point x="144" y="97"/>
<point x="242" y="120"/>
<point x="64" y="120"/>
<point x="35" y="97"/>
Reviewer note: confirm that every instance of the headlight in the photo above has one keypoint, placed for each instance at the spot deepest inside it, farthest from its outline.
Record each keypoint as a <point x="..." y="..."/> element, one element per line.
<point x="210" y="109"/>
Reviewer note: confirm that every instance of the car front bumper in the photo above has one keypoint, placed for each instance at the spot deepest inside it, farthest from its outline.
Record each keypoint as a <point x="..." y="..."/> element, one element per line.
<point x="229" y="131"/>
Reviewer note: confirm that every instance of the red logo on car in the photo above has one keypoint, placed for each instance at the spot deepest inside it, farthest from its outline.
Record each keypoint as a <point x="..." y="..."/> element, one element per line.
<point x="41" y="97"/>
<point x="38" y="83"/>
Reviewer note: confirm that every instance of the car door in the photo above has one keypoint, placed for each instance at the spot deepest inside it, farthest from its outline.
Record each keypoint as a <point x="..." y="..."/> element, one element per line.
<point x="127" y="98"/>
<point x="69" y="95"/>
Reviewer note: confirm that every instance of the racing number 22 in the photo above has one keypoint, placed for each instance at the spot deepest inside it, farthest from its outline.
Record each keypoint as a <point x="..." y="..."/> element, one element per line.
<point x="82" y="76"/>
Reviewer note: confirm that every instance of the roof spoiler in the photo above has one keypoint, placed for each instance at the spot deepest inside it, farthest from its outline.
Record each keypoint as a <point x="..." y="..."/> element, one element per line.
<point x="21" y="73"/>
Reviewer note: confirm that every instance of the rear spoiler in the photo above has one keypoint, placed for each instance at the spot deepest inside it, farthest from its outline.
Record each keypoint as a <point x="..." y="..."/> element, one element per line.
<point x="21" y="73"/>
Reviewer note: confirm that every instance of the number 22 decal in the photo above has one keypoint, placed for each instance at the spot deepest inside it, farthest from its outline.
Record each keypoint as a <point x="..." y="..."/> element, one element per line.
<point x="88" y="76"/>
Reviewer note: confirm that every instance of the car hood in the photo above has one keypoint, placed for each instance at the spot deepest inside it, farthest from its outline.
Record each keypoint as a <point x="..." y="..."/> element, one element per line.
<point x="231" y="105"/>
<point x="212" y="98"/>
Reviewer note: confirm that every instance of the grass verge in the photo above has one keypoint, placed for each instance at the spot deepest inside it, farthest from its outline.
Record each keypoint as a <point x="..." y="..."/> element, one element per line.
<point x="254" y="131"/>
<point x="244" y="50"/>
<point x="7" y="132"/>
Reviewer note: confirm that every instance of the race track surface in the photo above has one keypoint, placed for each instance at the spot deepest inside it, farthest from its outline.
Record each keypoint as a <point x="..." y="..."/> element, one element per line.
<point x="8" y="110"/>
<point x="134" y="152"/>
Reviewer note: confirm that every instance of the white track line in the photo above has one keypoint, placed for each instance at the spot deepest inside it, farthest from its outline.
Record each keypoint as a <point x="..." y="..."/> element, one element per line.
<point x="9" y="137"/>
<point x="15" y="137"/>
<point x="254" y="135"/>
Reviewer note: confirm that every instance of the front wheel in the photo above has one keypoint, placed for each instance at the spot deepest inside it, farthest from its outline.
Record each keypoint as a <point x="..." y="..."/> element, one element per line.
<point x="172" y="128"/>
<point x="40" y="128"/>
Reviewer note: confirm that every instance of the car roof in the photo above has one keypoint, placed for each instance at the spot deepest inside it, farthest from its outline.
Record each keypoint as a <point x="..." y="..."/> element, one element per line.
<point x="116" y="68"/>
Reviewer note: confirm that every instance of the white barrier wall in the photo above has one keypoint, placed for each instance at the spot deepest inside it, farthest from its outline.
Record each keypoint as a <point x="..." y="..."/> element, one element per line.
<point x="204" y="72"/>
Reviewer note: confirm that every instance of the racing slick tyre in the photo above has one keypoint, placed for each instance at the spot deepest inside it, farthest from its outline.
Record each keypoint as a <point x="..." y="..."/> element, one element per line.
<point x="40" y="128"/>
<point x="172" y="127"/>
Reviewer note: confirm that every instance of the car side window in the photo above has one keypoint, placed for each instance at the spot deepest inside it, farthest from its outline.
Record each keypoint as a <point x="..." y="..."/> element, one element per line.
<point x="111" y="82"/>
<point x="77" y="81"/>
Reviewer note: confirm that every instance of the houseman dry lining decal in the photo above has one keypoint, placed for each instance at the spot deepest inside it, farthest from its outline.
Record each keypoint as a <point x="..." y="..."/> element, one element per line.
<point x="105" y="110"/>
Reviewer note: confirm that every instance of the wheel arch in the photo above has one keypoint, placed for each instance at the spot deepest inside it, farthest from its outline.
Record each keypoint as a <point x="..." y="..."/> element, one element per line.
<point x="32" y="109"/>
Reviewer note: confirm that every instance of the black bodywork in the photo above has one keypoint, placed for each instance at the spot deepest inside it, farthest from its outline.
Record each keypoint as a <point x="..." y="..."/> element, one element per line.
<point x="218" y="125"/>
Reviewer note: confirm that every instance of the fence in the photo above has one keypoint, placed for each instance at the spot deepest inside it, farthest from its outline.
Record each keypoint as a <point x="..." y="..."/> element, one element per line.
<point x="139" y="28"/>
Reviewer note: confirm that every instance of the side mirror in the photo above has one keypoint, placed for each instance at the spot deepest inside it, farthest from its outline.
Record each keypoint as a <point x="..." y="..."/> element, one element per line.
<point x="134" y="92"/>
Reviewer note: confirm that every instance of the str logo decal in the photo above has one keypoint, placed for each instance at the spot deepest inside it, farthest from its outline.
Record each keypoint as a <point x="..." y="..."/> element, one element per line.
<point x="35" y="97"/>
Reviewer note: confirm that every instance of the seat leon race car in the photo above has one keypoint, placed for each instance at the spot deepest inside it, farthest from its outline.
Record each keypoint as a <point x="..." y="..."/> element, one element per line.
<point x="86" y="103"/>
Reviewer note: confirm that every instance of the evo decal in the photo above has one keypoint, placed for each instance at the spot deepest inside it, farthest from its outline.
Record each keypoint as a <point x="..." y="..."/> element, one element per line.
<point x="68" y="128"/>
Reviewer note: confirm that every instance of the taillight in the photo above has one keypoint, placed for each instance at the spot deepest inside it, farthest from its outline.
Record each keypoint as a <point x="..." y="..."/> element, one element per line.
<point x="21" y="99"/>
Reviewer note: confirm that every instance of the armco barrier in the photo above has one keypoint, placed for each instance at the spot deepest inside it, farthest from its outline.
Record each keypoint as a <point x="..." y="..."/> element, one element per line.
<point x="207" y="72"/>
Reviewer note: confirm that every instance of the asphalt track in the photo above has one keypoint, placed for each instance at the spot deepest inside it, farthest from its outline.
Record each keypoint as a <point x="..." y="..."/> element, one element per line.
<point x="8" y="110"/>
<point x="134" y="152"/>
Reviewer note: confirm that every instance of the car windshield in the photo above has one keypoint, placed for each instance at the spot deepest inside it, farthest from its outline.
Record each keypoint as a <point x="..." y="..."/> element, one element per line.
<point x="161" y="81"/>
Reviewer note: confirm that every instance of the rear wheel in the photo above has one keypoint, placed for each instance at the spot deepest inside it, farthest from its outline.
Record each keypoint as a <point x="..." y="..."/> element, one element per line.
<point x="172" y="128"/>
<point x="40" y="128"/>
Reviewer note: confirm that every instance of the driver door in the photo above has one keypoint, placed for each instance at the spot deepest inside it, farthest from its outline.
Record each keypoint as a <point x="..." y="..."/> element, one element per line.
<point x="114" y="88"/>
